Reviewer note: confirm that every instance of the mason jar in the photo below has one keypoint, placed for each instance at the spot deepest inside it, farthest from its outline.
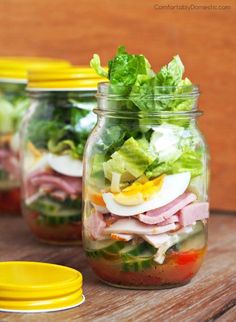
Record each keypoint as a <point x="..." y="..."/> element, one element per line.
<point x="13" y="104"/>
<point x="145" y="190"/>
<point x="54" y="133"/>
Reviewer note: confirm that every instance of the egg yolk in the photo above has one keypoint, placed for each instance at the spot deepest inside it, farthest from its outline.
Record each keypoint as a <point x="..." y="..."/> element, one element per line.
<point x="139" y="192"/>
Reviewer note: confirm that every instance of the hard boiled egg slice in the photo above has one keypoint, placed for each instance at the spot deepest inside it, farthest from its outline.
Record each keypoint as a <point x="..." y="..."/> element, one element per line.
<point x="66" y="165"/>
<point x="172" y="187"/>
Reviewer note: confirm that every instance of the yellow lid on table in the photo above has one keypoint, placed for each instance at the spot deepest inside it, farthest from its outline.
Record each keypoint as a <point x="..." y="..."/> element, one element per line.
<point x="39" y="287"/>
<point x="16" y="68"/>
<point x="70" y="78"/>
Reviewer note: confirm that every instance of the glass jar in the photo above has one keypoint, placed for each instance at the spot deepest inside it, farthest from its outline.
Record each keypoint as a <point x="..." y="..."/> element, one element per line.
<point x="13" y="104"/>
<point x="54" y="133"/>
<point x="145" y="191"/>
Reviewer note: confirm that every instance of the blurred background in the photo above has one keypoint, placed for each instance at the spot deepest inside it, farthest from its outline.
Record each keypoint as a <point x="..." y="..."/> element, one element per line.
<point x="203" y="37"/>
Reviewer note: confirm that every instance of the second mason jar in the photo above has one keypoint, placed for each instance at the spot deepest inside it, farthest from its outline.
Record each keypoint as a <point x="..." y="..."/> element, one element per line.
<point x="54" y="133"/>
<point x="145" y="189"/>
<point x="13" y="104"/>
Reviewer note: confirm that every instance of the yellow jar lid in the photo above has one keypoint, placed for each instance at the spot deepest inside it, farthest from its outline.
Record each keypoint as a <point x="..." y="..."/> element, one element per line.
<point x="74" y="77"/>
<point x="16" y="68"/>
<point x="39" y="287"/>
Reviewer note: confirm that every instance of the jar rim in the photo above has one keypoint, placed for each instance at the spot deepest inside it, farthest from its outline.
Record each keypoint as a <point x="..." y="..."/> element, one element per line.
<point x="160" y="95"/>
<point x="105" y="90"/>
<point x="148" y="115"/>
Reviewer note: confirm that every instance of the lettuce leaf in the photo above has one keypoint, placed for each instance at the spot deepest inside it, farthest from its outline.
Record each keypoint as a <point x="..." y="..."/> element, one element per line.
<point x="64" y="129"/>
<point x="131" y="76"/>
<point x="171" y="74"/>
<point x="124" y="67"/>
<point x="189" y="161"/>
<point x="123" y="70"/>
<point x="151" y="94"/>
<point x="6" y="116"/>
<point x="95" y="63"/>
<point x="133" y="157"/>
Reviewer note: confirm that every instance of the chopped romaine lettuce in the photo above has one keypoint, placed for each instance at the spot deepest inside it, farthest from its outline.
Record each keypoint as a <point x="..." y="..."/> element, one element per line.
<point x="64" y="129"/>
<point x="6" y="116"/>
<point x="133" y="157"/>
<point x="124" y="69"/>
<point x="21" y="105"/>
<point x="131" y="76"/>
<point x="95" y="63"/>
<point x="13" y="105"/>
<point x="165" y="142"/>
<point x="171" y="74"/>
<point x="189" y="161"/>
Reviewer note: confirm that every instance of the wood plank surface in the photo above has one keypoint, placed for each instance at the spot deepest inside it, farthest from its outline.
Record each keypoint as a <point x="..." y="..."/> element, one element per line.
<point x="210" y="296"/>
<point x="205" y="39"/>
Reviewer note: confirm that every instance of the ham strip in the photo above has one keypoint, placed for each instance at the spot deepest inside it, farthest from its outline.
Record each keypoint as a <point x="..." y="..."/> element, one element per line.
<point x="172" y="219"/>
<point x="156" y="240"/>
<point x="54" y="180"/>
<point x="4" y="153"/>
<point x="191" y="213"/>
<point x="59" y="195"/>
<point x="159" y="215"/>
<point x="57" y="185"/>
<point x="95" y="225"/>
<point x="133" y="226"/>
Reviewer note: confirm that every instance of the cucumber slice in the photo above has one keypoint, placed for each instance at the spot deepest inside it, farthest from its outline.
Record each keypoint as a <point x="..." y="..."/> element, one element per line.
<point x="54" y="212"/>
<point x="107" y="248"/>
<point x="137" y="266"/>
<point x="193" y="240"/>
<point x="51" y="207"/>
<point x="112" y="251"/>
<point x="137" y="249"/>
<point x="137" y="257"/>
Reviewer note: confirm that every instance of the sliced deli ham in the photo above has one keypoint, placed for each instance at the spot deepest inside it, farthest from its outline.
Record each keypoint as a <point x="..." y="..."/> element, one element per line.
<point x="4" y="153"/>
<point x="66" y="185"/>
<point x="191" y="213"/>
<point x="161" y="214"/>
<point x="133" y="226"/>
<point x="156" y="240"/>
<point x="172" y="219"/>
<point x="59" y="186"/>
<point x="95" y="225"/>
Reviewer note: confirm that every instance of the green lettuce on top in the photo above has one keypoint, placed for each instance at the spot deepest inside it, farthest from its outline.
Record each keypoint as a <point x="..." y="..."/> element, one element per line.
<point x="131" y="76"/>
<point x="152" y="146"/>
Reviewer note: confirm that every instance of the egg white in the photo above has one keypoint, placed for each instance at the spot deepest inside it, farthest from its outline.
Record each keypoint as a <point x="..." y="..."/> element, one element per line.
<point x="173" y="186"/>
<point x="66" y="165"/>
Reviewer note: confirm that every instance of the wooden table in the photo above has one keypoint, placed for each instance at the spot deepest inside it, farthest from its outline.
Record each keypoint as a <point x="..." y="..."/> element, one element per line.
<point x="210" y="296"/>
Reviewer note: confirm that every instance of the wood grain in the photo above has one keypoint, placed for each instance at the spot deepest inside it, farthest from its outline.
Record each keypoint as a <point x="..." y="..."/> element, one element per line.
<point x="205" y="39"/>
<point x="211" y="295"/>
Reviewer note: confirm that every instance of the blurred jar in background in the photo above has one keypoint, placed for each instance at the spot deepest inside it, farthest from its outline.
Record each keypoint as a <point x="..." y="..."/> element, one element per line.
<point x="13" y="104"/>
<point x="55" y="130"/>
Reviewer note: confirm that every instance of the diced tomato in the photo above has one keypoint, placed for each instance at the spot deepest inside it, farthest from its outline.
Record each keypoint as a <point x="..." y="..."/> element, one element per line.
<point x="10" y="201"/>
<point x="186" y="257"/>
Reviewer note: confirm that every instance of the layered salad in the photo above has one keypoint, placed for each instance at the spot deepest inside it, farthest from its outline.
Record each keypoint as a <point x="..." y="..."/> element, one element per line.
<point x="145" y="195"/>
<point x="13" y="104"/>
<point x="54" y="143"/>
